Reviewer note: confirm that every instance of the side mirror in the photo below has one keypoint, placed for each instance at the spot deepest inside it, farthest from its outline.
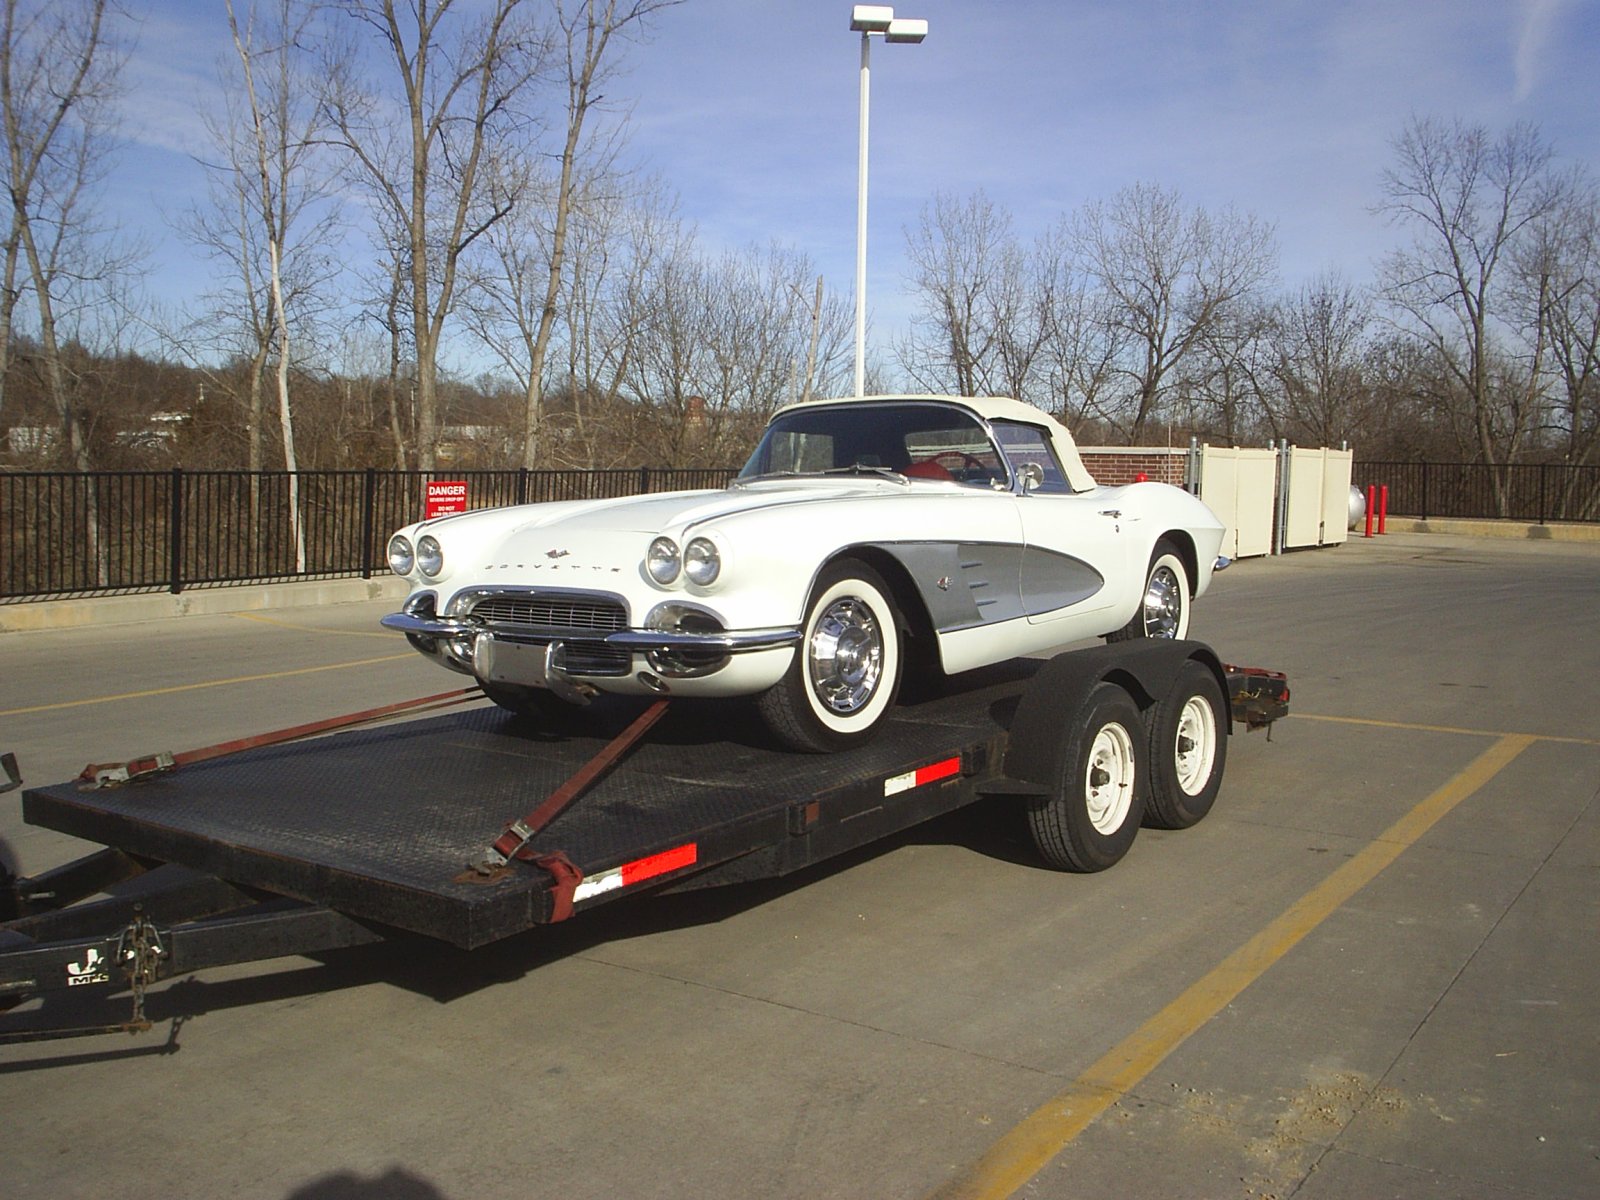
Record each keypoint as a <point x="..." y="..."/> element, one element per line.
<point x="1031" y="475"/>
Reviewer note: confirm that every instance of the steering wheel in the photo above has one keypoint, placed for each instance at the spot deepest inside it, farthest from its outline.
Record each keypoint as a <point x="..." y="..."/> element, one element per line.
<point x="959" y="460"/>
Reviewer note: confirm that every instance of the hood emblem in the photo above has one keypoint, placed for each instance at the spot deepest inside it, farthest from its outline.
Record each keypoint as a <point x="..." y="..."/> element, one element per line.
<point x="557" y="553"/>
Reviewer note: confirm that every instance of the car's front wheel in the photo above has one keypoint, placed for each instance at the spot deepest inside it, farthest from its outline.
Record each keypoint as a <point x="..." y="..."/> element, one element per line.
<point x="1164" y="604"/>
<point x="847" y="667"/>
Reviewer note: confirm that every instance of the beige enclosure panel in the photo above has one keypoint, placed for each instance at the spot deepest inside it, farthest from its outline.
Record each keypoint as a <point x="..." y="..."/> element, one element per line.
<point x="1238" y="485"/>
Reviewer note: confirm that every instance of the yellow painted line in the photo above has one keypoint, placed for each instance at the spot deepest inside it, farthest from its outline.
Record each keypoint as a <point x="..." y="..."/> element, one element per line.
<point x="195" y="687"/>
<point x="277" y="624"/>
<point x="1415" y="728"/>
<point x="1031" y="1145"/>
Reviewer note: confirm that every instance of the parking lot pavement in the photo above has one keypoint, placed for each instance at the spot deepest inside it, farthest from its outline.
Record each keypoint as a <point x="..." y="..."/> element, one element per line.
<point x="1369" y="972"/>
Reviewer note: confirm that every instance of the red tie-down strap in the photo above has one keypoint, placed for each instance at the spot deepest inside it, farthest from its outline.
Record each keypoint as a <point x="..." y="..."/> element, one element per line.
<point x="567" y="878"/>
<point x="513" y="841"/>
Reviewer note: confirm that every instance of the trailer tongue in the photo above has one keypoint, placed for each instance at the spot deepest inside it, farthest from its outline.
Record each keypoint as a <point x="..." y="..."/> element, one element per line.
<point x="414" y="828"/>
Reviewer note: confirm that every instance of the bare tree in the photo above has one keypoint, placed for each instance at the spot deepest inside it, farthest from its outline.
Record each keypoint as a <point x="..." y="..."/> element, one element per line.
<point x="723" y="343"/>
<point x="586" y="29"/>
<point x="982" y="316"/>
<point x="427" y="165"/>
<point x="1320" y="340"/>
<point x="1472" y="199"/>
<point x="57" y="78"/>
<point x="1168" y="274"/>
<point x="1558" y="284"/>
<point x="269" y="221"/>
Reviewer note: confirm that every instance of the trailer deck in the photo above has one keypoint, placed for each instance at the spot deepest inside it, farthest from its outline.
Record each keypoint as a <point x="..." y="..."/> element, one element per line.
<point x="477" y="825"/>
<point x="381" y="824"/>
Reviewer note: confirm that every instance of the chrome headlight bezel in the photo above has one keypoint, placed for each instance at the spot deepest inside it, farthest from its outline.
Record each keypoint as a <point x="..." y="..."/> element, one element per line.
<point x="402" y="556"/>
<point x="663" y="561"/>
<point x="702" y="561"/>
<point x="430" y="556"/>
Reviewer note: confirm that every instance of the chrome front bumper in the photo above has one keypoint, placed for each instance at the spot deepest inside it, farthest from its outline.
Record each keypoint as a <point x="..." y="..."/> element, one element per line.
<point x="640" y="641"/>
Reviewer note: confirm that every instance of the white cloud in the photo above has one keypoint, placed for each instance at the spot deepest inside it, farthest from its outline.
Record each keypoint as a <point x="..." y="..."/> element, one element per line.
<point x="1536" y="20"/>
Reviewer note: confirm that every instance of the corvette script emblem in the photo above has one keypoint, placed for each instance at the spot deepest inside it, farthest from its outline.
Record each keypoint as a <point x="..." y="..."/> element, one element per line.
<point x="557" y="553"/>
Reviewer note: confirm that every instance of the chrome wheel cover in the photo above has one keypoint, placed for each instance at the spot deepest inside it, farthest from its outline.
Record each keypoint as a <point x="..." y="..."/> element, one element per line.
<point x="844" y="656"/>
<point x="1109" y="779"/>
<point x="1163" y="604"/>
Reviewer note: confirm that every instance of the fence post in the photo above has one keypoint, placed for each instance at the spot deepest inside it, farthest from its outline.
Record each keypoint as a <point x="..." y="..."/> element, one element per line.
<point x="369" y="518"/>
<point x="175" y="533"/>
<point x="1542" y="466"/>
<point x="1424" y="489"/>
<point x="644" y="480"/>
<point x="522" y="485"/>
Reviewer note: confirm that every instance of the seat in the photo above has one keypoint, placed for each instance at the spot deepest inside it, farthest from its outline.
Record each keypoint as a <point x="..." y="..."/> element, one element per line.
<point x="928" y="469"/>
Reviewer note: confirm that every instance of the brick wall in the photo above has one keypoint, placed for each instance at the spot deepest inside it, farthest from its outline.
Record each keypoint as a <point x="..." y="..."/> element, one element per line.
<point x="1112" y="466"/>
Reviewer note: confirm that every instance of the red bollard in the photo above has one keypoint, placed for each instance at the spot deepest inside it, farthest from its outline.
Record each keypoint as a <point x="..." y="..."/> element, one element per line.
<point x="1383" y="507"/>
<point x="1372" y="503"/>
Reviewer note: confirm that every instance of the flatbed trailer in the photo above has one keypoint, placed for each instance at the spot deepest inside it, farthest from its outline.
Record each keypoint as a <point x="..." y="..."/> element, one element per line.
<point x="376" y="832"/>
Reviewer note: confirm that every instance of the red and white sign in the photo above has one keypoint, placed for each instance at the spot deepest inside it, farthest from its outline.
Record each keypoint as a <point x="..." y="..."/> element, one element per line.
<point x="442" y="497"/>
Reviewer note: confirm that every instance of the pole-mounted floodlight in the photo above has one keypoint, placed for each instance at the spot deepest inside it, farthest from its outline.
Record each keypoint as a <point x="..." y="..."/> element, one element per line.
<point x="867" y="20"/>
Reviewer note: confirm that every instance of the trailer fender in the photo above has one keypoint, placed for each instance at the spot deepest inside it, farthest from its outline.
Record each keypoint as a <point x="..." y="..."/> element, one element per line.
<point x="1145" y="669"/>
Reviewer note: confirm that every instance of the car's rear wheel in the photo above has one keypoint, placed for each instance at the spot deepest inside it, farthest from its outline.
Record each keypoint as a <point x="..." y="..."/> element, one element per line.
<point x="847" y="667"/>
<point x="1164" y="604"/>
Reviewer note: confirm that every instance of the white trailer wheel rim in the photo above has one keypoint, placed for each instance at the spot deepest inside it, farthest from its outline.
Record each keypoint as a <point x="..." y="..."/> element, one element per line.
<point x="1195" y="745"/>
<point x="1109" y="778"/>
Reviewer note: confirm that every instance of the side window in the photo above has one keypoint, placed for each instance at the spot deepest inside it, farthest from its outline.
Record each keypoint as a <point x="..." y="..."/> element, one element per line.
<point x="1028" y="444"/>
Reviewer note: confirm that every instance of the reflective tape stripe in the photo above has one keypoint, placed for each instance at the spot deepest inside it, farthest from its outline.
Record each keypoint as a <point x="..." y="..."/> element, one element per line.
<point x="928" y="774"/>
<point x="637" y="871"/>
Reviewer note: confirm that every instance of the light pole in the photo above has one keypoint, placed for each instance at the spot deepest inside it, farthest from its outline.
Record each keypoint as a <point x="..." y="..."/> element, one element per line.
<point x="867" y="20"/>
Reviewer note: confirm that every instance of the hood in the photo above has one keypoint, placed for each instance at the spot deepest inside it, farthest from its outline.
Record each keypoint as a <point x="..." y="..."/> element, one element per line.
<point x="604" y="535"/>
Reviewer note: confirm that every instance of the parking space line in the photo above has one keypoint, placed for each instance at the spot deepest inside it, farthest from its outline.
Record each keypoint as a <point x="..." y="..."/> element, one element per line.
<point x="1494" y="733"/>
<point x="194" y="687"/>
<point x="1030" y="1146"/>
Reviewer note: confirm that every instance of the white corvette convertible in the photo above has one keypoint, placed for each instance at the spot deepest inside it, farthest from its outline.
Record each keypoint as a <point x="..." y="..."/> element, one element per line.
<point x="864" y="538"/>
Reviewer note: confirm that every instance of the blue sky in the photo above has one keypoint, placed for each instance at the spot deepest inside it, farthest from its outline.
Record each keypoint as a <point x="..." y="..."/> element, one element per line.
<point x="1281" y="108"/>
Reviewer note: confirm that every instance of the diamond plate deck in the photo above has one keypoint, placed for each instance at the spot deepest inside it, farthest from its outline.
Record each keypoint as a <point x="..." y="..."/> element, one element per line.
<point x="378" y="823"/>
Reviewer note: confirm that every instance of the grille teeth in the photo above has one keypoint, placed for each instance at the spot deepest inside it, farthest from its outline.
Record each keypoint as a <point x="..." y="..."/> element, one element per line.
<point x="551" y="617"/>
<point x="552" y="612"/>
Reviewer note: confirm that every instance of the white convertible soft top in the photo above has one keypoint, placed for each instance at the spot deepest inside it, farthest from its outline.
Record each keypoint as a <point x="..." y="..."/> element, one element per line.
<point x="1001" y="408"/>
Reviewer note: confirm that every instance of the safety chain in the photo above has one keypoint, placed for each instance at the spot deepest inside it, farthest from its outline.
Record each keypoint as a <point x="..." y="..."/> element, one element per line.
<point x="140" y="952"/>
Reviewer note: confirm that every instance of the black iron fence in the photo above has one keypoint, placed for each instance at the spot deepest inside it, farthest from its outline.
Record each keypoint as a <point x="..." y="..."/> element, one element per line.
<point x="1534" y="492"/>
<point x="72" y="533"/>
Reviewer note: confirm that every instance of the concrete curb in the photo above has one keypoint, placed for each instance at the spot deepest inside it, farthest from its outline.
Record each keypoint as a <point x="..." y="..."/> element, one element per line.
<point x="154" y="606"/>
<point x="1494" y="529"/>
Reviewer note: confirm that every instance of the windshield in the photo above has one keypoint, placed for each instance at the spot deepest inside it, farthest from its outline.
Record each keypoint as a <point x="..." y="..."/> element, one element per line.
<point x="920" y="441"/>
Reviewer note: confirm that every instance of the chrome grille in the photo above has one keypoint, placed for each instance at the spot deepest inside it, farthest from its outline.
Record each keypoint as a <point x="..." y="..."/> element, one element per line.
<point x="591" y="613"/>
<point x="546" y="617"/>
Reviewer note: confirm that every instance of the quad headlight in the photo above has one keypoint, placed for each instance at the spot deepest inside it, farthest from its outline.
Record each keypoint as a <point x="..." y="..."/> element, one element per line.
<point x="430" y="555"/>
<point x="663" y="561"/>
<point x="401" y="556"/>
<point x="702" y="561"/>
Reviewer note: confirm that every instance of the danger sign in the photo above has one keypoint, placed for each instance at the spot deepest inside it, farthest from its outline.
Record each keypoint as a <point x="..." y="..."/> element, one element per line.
<point x="443" y="497"/>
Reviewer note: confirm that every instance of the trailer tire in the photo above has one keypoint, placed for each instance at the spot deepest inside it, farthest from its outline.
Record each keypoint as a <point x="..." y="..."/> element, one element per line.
<point x="1188" y="749"/>
<point x="1090" y="816"/>
<point x="846" y="670"/>
<point x="1164" y="603"/>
